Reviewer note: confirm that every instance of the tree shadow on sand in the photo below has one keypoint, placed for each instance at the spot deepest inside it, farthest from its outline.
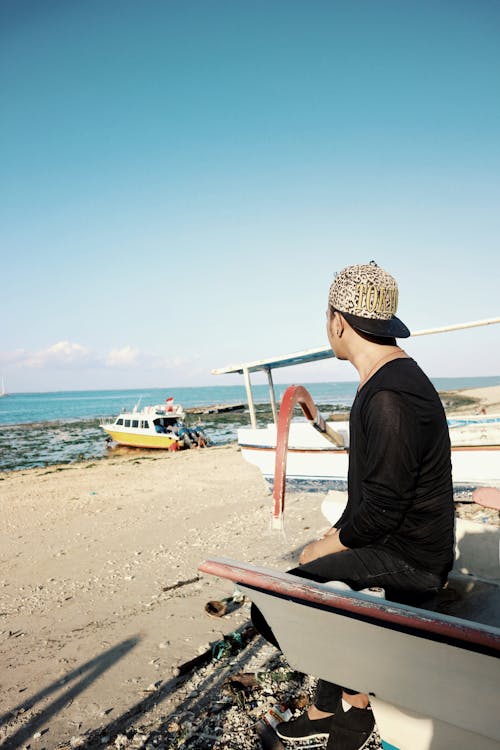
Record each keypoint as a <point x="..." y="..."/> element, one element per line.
<point x="83" y="676"/>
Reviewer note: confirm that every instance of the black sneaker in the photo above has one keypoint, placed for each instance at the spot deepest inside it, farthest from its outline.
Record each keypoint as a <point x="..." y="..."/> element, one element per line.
<point x="304" y="728"/>
<point x="351" y="730"/>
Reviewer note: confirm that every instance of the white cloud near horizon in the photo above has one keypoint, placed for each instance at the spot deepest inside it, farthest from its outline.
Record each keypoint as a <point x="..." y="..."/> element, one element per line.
<point x="62" y="353"/>
<point x="127" y="356"/>
<point x="68" y="354"/>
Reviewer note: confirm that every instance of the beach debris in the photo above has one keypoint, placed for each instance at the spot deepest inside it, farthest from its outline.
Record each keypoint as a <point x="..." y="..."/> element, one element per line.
<point x="179" y="584"/>
<point x="238" y="596"/>
<point x="221" y="607"/>
<point x="266" y="726"/>
<point x="215" y="608"/>
<point x="217" y="718"/>
<point x="230" y="644"/>
<point x="243" y="680"/>
<point x="121" y="741"/>
<point x="15" y="634"/>
<point x="241" y="689"/>
<point x="153" y="687"/>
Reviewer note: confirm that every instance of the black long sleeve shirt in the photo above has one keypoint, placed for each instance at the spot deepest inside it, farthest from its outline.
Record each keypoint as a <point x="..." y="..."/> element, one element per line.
<point x="400" y="491"/>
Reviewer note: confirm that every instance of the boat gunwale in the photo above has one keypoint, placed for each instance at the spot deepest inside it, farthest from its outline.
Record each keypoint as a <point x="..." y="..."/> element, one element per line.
<point x="454" y="630"/>
<point x="291" y="449"/>
<point x="333" y="449"/>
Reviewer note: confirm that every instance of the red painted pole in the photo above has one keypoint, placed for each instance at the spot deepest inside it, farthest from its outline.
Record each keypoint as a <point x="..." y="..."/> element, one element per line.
<point x="293" y="396"/>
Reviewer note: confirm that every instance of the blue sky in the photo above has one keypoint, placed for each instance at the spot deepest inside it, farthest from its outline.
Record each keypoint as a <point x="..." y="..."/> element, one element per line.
<point x="181" y="180"/>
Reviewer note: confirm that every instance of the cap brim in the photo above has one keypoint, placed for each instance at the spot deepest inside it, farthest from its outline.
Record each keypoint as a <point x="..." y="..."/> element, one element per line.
<point x="391" y="329"/>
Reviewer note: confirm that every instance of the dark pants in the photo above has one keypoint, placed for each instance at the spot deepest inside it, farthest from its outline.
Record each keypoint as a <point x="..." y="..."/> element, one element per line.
<point x="359" y="568"/>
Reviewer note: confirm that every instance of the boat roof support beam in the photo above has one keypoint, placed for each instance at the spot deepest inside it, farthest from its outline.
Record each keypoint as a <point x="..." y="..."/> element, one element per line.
<point x="272" y="394"/>
<point x="251" y="405"/>
<point x="325" y="352"/>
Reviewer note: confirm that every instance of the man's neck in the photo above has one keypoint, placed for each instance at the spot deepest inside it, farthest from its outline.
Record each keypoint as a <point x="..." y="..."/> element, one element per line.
<point x="371" y="357"/>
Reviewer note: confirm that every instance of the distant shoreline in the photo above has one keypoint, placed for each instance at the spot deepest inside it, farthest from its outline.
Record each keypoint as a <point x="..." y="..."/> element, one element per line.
<point x="137" y="391"/>
<point x="75" y="440"/>
<point x="461" y="401"/>
<point x="472" y="400"/>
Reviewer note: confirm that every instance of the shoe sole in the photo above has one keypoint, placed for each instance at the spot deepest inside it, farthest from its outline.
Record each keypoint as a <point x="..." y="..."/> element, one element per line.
<point x="305" y="737"/>
<point x="365" y="743"/>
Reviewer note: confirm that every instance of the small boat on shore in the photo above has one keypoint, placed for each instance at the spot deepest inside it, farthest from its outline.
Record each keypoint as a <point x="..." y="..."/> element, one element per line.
<point x="474" y="429"/>
<point x="149" y="427"/>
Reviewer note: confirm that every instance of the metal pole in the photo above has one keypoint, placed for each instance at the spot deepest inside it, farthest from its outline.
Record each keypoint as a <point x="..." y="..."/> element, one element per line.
<point x="458" y="327"/>
<point x="272" y="395"/>
<point x="251" y="406"/>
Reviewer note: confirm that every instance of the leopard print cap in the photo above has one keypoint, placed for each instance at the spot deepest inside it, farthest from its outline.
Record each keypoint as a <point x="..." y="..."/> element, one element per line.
<point x="366" y="291"/>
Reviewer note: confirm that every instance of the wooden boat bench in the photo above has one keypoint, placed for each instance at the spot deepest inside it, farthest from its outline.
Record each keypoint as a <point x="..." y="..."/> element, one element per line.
<point x="433" y="677"/>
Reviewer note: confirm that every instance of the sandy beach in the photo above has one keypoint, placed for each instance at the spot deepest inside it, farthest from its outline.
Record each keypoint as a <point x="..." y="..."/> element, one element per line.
<point x="473" y="400"/>
<point x="100" y="599"/>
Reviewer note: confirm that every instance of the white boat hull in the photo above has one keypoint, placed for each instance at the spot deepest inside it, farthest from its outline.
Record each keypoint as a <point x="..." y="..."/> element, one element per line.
<point x="418" y="677"/>
<point x="313" y="458"/>
<point x="433" y="678"/>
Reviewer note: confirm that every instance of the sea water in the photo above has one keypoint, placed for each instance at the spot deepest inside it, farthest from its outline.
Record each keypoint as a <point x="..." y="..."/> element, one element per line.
<point x="40" y="429"/>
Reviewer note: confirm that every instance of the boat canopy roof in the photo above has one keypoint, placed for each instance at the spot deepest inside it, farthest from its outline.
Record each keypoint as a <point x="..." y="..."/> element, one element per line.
<point x="312" y="355"/>
<point x="297" y="358"/>
<point x="324" y="352"/>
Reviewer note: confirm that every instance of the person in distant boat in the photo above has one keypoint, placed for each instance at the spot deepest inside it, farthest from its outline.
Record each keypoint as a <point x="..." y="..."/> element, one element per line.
<point x="180" y="429"/>
<point x="199" y="436"/>
<point x="397" y="530"/>
<point x="203" y="440"/>
<point x="190" y="437"/>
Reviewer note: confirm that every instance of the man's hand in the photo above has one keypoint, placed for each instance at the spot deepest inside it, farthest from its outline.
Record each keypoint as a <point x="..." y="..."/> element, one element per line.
<point x="330" y="532"/>
<point x="327" y="545"/>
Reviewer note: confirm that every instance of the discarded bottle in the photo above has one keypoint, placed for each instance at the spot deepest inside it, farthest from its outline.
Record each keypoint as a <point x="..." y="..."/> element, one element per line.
<point x="267" y="724"/>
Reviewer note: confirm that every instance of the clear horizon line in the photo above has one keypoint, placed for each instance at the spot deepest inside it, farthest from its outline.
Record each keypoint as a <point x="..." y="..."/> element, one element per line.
<point x="230" y="385"/>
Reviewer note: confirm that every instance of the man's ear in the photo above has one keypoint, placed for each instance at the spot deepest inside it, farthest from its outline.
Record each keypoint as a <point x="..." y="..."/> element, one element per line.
<point x="337" y="322"/>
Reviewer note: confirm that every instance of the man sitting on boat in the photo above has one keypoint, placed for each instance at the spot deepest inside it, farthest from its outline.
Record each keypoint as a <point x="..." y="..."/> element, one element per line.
<point x="398" y="526"/>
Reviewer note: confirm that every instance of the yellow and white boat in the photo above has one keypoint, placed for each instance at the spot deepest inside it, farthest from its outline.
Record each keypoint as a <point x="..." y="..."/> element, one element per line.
<point x="149" y="427"/>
